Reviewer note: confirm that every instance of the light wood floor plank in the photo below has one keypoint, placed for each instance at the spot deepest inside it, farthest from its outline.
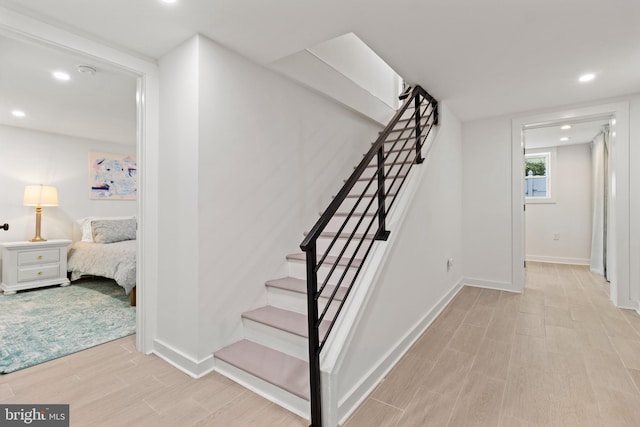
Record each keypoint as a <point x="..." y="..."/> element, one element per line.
<point x="559" y="354"/>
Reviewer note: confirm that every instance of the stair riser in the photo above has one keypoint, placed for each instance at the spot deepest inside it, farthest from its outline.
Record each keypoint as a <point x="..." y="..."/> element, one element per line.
<point x="269" y="391"/>
<point x="349" y="203"/>
<point x="277" y="339"/>
<point x="389" y="169"/>
<point x="298" y="270"/>
<point x="359" y="187"/>
<point x="323" y="244"/>
<point x="391" y="188"/>
<point x="296" y="301"/>
<point x="336" y="222"/>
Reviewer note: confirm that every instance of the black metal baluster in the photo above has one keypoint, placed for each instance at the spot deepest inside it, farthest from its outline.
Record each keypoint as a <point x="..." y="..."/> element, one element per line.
<point x="419" y="158"/>
<point x="436" y="116"/>
<point x="383" y="233"/>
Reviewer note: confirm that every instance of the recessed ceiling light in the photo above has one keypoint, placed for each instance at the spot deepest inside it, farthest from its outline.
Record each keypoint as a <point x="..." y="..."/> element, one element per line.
<point x="564" y="139"/>
<point x="18" y="113"/>
<point x="586" y="77"/>
<point x="169" y="1"/>
<point x="61" y="75"/>
<point x="86" y="69"/>
<point x="565" y="127"/>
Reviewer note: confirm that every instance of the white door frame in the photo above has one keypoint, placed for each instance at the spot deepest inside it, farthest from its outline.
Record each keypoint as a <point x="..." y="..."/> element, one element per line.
<point x="15" y="25"/>
<point x="621" y="268"/>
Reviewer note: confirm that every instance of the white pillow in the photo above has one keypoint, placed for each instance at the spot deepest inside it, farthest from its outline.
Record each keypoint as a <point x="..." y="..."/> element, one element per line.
<point x="113" y="230"/>
<point x="85" y="225"/>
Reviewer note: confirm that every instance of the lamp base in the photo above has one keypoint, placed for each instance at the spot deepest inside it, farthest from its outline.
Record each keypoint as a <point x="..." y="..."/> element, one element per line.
<point x="38" y="237"/>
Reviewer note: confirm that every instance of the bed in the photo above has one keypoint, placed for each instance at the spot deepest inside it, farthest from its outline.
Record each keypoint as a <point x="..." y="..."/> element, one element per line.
<point x="107" y="249"/>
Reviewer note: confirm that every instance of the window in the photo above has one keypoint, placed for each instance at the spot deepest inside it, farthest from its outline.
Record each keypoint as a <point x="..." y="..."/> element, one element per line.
<point x="536" y="183"/>
<point x="538" y="176"/>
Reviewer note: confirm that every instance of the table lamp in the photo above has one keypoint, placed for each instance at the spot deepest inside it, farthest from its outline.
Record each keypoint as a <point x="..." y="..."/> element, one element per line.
<point x="39" y="196"/>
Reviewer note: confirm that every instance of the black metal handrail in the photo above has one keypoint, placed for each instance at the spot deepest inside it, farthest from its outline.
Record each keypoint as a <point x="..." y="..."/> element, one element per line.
<point x="403" y="136"/>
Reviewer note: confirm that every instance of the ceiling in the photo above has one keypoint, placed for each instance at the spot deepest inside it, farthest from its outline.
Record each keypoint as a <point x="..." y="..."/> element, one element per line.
<point x="100" y="107"/>
<point x="551" y="135"/>
<point x="484" y="58"/>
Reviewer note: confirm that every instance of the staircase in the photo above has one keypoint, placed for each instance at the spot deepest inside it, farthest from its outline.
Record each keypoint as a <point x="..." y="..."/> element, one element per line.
<point x="273" y="358"/>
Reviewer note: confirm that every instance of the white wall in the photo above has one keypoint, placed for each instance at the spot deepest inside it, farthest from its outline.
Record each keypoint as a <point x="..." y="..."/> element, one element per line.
<point x="248" y="160"/>
<point x="32" y="157"/>
<point x="569" y="216"/>
<point x="486" y="213"/>
<point x="177" y="288"/>
<point x="352" y="57"/>
<point x="348" y="71"/>
<point x="634" y="202"/>
<point x="414" y="284"/>
<point x="487" y="219"/>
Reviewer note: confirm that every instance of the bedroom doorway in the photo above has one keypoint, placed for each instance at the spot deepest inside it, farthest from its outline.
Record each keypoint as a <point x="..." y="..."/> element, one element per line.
<point x="143" y="74"/>
<point x="75" y="110"/>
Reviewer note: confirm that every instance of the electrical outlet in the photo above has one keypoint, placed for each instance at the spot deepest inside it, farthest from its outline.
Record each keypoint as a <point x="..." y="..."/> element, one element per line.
<point x="556" y="236"/>
<point x="449" y="264"/>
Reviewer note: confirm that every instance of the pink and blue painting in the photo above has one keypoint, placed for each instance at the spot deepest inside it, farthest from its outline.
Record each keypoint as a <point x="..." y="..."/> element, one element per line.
<point x="112" y="176"/>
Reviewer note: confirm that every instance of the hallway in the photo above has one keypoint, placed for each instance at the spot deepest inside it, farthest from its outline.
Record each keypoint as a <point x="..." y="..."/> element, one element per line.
<point x="559" y="354"/>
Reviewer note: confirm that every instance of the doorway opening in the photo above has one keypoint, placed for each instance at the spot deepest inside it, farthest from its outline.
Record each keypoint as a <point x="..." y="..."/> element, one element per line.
<point x="565" y="190"/>
<point x="618" y="221"/>
<point x="145" y="73"/>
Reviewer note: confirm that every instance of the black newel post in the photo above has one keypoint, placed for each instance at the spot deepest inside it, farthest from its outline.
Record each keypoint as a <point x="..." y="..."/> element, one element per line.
<point x="315" y="394"/>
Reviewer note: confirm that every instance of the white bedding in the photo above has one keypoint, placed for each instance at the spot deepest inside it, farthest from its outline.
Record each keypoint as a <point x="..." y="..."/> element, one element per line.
<point x="115" y="261"/>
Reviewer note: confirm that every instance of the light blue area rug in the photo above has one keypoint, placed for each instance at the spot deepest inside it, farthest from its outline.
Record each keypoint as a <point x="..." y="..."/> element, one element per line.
<point x="44" y="324"/>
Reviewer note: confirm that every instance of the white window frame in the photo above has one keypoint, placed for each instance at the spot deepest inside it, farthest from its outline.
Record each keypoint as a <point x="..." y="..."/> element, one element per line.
<point x="550" y="154"/>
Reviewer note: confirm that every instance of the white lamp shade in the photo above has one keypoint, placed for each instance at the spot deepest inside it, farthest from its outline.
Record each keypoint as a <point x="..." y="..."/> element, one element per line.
<point x="40" y="195"/>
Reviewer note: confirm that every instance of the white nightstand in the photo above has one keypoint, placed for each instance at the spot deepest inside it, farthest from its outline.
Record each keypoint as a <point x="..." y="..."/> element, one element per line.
<point x="28" y="265"/>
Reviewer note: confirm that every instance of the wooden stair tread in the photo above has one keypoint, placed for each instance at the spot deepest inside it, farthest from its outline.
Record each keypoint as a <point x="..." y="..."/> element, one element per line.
<point x="344" y="235"/>
<point x="366" y="196"/>
<point x="300" y="286"/>
<point x="368" y="178"/>
<point x="285" y="320"/>
<point x="330" y="260"/>
<point x="277" y="368"/>
<point x="354" y="215"/>
<point x="391" y="164"/>
<point x="397" y="139"/>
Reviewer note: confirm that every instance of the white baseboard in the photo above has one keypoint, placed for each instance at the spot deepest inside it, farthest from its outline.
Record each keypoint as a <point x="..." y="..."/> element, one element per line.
<point x="489" y="284"/>
<point x="356" y="396"/>
<point x="558" y="260"/>
<point x="190" y="366"/>
<point x="627" y="304"/>
<point x="597" y="271"/>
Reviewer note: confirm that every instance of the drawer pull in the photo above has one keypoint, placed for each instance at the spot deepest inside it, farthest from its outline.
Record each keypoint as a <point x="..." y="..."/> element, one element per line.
<point x="39" y="256"/>
<point x="39" y="273"/>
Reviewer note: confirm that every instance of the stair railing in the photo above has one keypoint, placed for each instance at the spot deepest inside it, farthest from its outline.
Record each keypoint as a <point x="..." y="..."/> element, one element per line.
<point x="390" y="158"/>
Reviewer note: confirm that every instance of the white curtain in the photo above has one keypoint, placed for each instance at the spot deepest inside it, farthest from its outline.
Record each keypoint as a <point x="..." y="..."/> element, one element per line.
<point x="599" y="160"/>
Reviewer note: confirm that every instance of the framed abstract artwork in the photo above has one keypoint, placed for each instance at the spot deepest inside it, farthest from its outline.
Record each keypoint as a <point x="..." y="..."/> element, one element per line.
<point x="112" y="176"/>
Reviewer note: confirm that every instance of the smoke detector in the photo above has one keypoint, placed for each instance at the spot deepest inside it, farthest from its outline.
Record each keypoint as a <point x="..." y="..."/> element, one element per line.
<point x="85" y="69"/>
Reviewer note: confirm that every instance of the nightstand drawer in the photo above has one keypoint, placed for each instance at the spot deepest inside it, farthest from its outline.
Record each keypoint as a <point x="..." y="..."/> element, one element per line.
<point x="38" y="257"/>
<point x="38" y="273"/>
